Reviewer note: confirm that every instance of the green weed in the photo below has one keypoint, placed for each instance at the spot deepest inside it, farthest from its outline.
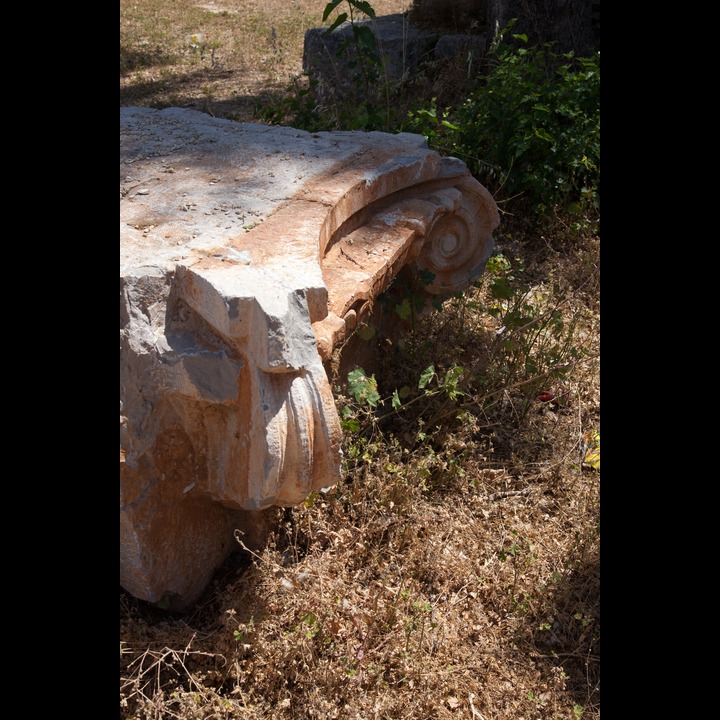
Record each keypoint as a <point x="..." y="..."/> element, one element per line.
<point x="530" y="128"/>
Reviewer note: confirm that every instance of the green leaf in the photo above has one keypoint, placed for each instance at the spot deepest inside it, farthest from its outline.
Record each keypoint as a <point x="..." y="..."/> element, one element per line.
<point x="329" y="8"/>
<point x="339" y="20"/>
<point x="363" y="388"/>
<point x="350" y="426"/>
<point x="426" y="376"/>
<point x="426" y="277"/>
<point x="501" y="289"/>
<point x="450" y="383"/>
<point x="396" y="403"/>
<point x="363" y="6"/>
<point x="366" y="332"/>
<point x="404" y="310"/>
<point x="365" y="38"/>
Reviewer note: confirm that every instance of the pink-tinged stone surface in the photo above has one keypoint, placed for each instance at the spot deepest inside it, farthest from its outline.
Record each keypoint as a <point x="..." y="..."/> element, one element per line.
<point x="247" y="254"/>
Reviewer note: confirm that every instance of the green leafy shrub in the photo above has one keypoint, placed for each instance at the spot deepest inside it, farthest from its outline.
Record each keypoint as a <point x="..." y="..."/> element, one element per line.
<point x="535" y="340"/>
<point x="297" y="106"/>
<point x="531" y="127"/>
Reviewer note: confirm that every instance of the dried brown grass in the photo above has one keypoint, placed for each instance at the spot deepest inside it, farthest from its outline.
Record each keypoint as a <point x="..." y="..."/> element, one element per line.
<point x="454" y="573"/>
<point x="255" y="49"/>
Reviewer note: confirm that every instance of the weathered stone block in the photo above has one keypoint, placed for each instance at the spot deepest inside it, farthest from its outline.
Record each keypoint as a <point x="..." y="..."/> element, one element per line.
<point x="404" y="44"/>
<point x="248" y="253"/>
<point x="331" y="58"/>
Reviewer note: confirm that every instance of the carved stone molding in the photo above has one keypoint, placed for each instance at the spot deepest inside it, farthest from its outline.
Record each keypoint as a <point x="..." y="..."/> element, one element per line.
<point x="248" y="253"/>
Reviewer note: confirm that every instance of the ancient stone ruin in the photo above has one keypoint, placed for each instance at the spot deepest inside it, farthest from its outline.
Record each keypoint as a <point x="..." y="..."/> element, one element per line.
<point x="403" y="47"/>
<point x="248" y="254"/>
<point x="435" y="34"/>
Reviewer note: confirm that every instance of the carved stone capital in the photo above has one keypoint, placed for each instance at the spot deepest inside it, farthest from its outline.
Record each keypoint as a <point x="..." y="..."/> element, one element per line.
<point x="247" y="254"/>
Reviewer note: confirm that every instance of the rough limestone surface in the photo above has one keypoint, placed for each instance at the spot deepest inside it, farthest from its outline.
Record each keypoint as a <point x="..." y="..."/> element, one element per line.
<point x="248" y="253"/>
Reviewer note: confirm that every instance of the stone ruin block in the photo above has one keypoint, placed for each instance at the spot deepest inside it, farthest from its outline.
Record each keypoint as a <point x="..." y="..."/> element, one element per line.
<point x="459" y="16"/>
<point x="248" y="254"/>
<point x="403" y="47"/>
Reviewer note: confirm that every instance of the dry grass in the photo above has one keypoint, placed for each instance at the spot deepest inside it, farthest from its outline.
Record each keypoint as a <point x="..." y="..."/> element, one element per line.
<point x="454" y="573"/>
<point x="255" y="49"/>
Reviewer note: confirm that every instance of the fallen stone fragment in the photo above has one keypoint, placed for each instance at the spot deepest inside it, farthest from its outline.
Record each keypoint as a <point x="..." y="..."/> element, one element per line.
<point x="248" y="254"/>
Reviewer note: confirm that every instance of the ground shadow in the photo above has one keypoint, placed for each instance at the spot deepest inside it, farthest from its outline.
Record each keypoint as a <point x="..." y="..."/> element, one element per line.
<point x="566" y="633"/>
